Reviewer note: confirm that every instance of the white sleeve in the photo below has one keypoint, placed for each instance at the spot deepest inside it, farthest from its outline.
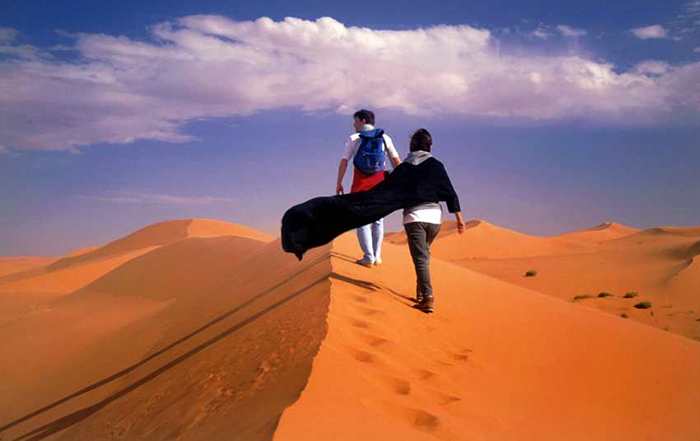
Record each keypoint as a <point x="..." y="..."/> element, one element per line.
<point x="350" y="149"/>
<point x="390" y="146"/>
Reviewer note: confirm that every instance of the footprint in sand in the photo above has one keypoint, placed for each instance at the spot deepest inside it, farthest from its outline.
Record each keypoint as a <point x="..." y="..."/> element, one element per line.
<point x="422" y="420"/>
<point x="364" y="356"/>
<point x="424" y="374"/>
<point x="444" y="398"/>
<point x="462" y="355"/>
<point x="375" y="341"/>
<point x="369" y="311"/>
<point x="359" y="324"/>
<point x="399" y="386"/>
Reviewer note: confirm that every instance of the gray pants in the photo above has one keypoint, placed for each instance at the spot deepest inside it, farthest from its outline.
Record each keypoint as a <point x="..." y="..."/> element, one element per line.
<point x="420" y="236"/>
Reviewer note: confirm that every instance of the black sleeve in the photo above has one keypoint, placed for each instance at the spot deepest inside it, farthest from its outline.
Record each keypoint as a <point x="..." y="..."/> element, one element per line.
<point x="447" y="191"/>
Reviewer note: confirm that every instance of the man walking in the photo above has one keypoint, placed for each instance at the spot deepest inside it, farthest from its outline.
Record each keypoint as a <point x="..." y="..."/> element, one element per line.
<point x="368" y="148"/>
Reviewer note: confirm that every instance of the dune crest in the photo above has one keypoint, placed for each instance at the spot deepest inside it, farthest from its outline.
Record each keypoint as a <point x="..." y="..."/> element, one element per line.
<point x="605" y="231"/>
<point x="85" y="265"/>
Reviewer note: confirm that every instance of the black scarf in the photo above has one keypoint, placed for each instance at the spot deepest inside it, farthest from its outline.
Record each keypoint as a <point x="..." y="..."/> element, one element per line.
<point x="320" y="220"/>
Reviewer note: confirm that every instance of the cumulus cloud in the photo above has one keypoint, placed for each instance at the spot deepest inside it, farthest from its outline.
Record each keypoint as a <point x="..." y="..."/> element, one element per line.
<point x="121" y="197"/>
<point x="119" y="89"/>
<point x="647" y="32"/>
<point x="568" y="31"/>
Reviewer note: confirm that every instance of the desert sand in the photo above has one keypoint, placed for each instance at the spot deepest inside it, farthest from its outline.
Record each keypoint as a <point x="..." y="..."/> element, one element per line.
<point x="205" y="330"/>
<point x="623" y="265"/>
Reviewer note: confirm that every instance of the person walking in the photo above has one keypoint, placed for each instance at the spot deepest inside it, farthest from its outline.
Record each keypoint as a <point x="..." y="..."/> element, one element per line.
<point x="422" y="222"/>
<point x="368" y="148"/>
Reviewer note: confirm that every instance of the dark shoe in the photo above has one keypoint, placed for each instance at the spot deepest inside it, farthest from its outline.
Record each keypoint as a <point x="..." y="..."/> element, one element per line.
<point x="425" y="304"/>
<point x="419" y="298"/>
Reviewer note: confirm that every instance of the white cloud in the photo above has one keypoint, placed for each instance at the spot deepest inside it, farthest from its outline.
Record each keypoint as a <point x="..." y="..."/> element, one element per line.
<point x="541" y="32"/>
<point x="697" y="49"/>
<point x="120" y="90"/>
<point x="652" y="67"/>
<point x="121" y="197"/>
<point x="568" y="31"/>
<point x="647" y="32"/>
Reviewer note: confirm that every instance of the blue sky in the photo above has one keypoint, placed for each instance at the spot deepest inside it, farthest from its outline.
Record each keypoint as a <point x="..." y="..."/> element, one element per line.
<point x="549" y="116"/>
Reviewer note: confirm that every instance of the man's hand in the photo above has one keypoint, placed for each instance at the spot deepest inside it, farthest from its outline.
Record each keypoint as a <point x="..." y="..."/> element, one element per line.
<point x="342" y="166"/>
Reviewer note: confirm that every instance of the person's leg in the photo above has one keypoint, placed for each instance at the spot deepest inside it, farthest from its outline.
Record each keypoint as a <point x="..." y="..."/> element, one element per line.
<point x="431" y="232"/>
<point x="364" y="236"/>
<point x="418" y="246"/>
<point x="377" y="238"/>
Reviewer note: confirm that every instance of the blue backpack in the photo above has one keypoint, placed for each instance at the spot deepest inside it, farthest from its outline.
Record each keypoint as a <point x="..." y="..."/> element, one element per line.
<point x="370" y="157"/>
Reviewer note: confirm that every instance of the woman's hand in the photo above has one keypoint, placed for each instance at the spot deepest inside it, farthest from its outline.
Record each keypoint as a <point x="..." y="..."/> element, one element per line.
<point x="460" y="222"/>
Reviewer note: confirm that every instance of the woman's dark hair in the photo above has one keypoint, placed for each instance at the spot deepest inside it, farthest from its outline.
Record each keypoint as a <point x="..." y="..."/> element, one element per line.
<point x="365" y="115"/>
<point x="421" y="140"/>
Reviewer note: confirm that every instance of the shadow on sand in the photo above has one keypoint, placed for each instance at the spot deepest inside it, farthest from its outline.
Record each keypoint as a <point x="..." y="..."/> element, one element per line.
<point x="75" y="417"/>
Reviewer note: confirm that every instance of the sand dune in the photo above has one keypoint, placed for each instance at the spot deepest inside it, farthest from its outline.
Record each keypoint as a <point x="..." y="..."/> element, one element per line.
<point x="10" y="265"/>
<point x="485" y="240"/>
<point x="163" y="233"/>
<point x="602" y="232"/>
<point x="226" y="337"/>
<point x="82" y="267"/>
<point x="192" y="333"/>
<point x="494" y="362"/>
<point x="652" y="265"/>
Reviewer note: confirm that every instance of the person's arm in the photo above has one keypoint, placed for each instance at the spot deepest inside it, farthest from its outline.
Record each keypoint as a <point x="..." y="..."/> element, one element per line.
<point x="342" y="167"/>
<point x="391" y="150"/>
<point x="350" y="149"/>
<point x="460" y="222"/>
<point x="451" y="198"/>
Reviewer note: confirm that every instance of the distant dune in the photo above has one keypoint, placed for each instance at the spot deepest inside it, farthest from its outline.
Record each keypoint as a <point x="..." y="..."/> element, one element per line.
<point x="609" y="260"/>
<point x="9" y="265"/>
<point x="602" y="232"/>
<point x="493" y="242"/>
<point x="206" y="330"/>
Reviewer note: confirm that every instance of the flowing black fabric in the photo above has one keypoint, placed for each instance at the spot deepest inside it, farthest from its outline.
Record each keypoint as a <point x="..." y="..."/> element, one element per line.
<point x="320" y="220"/>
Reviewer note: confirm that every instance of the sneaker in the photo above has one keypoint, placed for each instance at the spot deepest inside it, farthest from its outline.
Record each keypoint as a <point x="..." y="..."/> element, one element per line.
<point x="425" y="304"/>
<point x="378" y="262"/>
<point x="364" y="262"/>
<point x="419" y="298"/>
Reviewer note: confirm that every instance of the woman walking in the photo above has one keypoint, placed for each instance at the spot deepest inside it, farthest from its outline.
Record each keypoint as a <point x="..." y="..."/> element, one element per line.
<point x="422" y="222"/>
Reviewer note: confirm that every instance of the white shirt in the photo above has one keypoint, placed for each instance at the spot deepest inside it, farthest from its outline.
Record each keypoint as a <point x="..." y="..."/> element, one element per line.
<point x="430" y="213"/>
<point x="353" y="143"/>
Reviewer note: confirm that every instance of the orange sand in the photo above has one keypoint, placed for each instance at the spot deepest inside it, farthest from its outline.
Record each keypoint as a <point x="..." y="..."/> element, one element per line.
<point x="208" y="331"/>
<point x="9" y="265"/>
<point x="657" y="264"/>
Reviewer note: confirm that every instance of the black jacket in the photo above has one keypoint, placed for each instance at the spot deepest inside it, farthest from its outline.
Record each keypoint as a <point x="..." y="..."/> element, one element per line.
<point x="320" y="220"/>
